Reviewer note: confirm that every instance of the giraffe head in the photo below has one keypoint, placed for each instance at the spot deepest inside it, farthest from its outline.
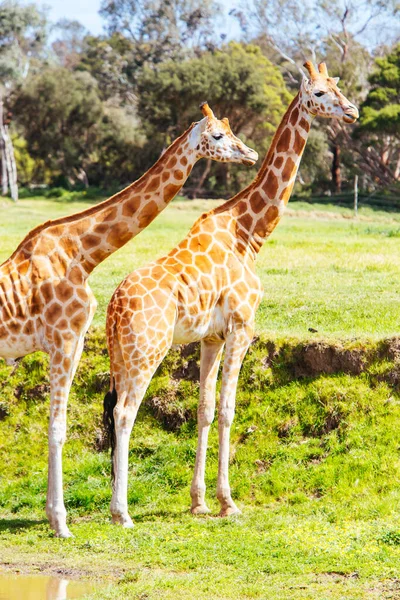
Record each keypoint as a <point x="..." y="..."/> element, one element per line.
<point x="322" y="97"/>
<point x="219" y="143"/>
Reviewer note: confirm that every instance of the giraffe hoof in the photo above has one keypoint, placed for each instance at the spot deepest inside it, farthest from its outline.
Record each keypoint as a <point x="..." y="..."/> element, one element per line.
<point x="125" y="522"/>
<point x="229" y="511"/>
<point x="64" y="534"/>
<point x="201" y="509"/>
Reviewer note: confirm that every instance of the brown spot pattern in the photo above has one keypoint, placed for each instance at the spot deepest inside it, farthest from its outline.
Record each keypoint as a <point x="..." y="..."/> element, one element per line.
<point x="288" y="169"/>
<point x="284" y="141"/>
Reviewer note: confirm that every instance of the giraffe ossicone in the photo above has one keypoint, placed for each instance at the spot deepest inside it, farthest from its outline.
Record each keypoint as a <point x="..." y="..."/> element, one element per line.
<point x="206" y="289"/>
<point x="45" y="300"/>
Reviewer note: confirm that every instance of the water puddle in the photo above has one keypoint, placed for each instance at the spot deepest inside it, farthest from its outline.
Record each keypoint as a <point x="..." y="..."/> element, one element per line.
<point x="38" y="587"/>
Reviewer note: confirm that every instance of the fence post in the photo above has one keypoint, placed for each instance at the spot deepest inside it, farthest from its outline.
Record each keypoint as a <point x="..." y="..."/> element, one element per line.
<point x="355" y="195"/>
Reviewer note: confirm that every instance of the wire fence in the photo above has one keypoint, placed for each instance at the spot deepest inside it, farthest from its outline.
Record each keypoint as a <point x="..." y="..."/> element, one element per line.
<point x="355" y="198"/>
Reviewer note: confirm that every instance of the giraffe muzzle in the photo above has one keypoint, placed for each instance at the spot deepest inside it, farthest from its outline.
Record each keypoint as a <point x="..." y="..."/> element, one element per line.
<point x="250" y="158"/>
<point x="351" y="114"/>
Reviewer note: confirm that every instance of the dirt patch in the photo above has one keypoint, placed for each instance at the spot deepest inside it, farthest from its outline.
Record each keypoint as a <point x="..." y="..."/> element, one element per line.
<point x="100" y="382"/>
<point x="48" y="568"/>
<point x="319" y="358"/>
<point x="189" y="371"/>
<point x="39" y="392"/>
<point x="285" y="428"/>
<point x="169" y="411"/>
<point x="4" y="412"/>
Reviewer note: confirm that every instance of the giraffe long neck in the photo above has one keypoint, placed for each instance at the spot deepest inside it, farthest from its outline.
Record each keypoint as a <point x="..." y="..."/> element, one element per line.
<point x="130" y="211"/>
<point x="92" y="235"/>
<point x="259" y="208"/>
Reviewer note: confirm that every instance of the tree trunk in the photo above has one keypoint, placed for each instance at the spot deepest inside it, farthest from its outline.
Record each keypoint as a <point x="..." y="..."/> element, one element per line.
<point x="9" y="167"/>
<point x="336" y="174"/>
<point x="13" y="169"/>
<point x="4" y="175"/>
<point x="397" y="169"/>
<point x="82" y="177"/>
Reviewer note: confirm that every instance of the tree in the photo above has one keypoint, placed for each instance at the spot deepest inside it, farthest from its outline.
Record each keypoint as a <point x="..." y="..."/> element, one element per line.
<point x="112" y="62"/>
<point x="69" y="44"/>
<point x="342" y="32"/>
<point x="380" y="117"/>
<point x="162" y="29"/>
<point x="22" y="38"/>
<point x="61" y="128"/>
<point x="237" y="80"/>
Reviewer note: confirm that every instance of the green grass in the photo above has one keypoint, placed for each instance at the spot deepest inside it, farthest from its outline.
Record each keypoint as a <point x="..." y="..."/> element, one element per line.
<point x="320" y="268"/>
<point x="314" y="461"/>
<point x="314" y="466"/>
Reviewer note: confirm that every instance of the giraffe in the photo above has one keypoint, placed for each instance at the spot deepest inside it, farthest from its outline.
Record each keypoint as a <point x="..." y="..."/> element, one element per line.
<point x="45" y="300"/>
<point x="206" y="289"/>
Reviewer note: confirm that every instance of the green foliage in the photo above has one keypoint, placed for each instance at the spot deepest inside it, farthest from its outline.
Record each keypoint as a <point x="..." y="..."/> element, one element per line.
<point x="60" y="129"/>
<point x="26" y="165"/>
<point x="111" y="62"/>
<point x="238" y="81"/>
<point x="71" y="130"/>
<point x="22" y="37"/>
<point x="381" y="110"/>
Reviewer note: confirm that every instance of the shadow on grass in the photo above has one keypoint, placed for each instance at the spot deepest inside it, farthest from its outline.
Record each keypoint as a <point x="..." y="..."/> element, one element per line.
<point x="16" y="525"/>
<point x="154" y="515"/>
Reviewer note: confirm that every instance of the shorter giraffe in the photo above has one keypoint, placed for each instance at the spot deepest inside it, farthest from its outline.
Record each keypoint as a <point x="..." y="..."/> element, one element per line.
<point x="45" y="299"/>
<point x="207" y="289"/>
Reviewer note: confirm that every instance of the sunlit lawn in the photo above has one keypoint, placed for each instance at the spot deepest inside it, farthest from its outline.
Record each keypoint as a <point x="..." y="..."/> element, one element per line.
<point x="320" y="510"/>
<point x="321" y="269"/>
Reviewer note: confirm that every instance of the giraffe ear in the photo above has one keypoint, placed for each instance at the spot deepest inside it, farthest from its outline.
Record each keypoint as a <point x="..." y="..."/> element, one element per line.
<point x="225" y="120"/>
<point x="335" y="79"/>
<point x="305" y="83"/>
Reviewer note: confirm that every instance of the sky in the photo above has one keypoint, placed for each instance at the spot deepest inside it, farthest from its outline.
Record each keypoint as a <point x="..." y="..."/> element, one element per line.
<point x="84" y="11"/>
<point x="87" y="13"/>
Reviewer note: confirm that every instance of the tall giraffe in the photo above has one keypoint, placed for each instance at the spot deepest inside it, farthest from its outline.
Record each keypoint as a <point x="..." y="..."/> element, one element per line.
<point x="45" y="300"/>
<point x="207" y="289"/>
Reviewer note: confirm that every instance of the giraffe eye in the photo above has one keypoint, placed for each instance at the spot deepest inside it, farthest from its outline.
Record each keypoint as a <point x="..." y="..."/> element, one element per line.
<point x="319" y="94"/>
<point x="218" y="136"/>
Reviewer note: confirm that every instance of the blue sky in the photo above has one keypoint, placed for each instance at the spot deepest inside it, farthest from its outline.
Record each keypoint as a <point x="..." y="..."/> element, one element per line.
<point x="84" y="11"/>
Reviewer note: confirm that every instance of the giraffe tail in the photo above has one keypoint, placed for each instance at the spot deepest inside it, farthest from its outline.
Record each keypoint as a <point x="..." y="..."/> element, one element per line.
<point x="109" y="440"/>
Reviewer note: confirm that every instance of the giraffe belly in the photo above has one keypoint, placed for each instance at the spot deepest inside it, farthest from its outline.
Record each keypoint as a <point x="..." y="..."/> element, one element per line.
<point x="17" y="346"/>
<point x="193" y="328"/>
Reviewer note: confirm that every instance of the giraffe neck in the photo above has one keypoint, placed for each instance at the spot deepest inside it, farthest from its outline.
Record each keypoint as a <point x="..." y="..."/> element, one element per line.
<point x="92" y="235"/>
<point x="132" y="210"/>
<point x="259" y="208"/>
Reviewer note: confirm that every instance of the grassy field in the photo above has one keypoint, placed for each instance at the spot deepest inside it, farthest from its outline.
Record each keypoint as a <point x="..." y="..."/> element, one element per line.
<point x="314" y="460"/>
<point x="314" y="466"/>
<point x="320" y="268"/>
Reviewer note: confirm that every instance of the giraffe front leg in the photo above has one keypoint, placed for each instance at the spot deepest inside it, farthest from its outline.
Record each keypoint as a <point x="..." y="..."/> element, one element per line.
<point x="237" y="344"/>
<point x="210" y="359"/>
<point x="63" y="365"/>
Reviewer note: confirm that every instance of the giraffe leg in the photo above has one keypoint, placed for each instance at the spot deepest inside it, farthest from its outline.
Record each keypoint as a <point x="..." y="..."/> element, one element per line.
<point x="210" y="359"/>
<point x="125" y="413"/>
<point x="62" y="370"/>
<point x="237" y="344"/>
